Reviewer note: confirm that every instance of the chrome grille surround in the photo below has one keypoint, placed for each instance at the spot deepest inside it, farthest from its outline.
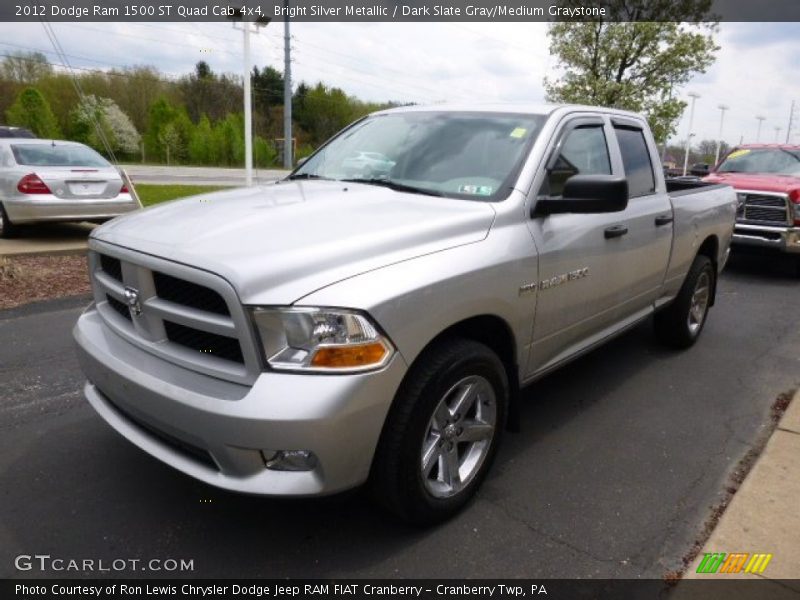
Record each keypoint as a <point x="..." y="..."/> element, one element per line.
<point x="148" y="331"/>
<point x="763" y="207"/>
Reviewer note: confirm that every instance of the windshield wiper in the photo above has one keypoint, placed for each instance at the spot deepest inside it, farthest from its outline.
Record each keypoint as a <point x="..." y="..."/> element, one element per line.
<point x="306" y="176"/>
<point x="396" y="186"/>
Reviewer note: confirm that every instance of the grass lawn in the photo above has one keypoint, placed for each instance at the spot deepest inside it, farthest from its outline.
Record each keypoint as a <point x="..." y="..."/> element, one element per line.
<point x="151" y="194"/>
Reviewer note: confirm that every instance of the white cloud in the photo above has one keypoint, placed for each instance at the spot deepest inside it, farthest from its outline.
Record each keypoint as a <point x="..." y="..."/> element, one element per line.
<point x="756" y="71"/>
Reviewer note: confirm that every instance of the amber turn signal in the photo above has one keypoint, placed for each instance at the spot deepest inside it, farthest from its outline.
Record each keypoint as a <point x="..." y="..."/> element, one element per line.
<point x="361" y="355"/>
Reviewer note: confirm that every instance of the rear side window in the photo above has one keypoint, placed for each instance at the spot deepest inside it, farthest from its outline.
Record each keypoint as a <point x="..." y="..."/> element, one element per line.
<point x="49" y="155"/>
<point x="636" y="160"/>
<point x="583" y="152"/>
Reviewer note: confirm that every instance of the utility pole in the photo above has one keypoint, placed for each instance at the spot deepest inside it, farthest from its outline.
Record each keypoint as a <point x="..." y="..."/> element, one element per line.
<point x="791" y="120"/>
<point x="287" y="91"/>
<point x="694" y="96"/>
<point x="760" y="121"/>
<point x="722" y="108"/>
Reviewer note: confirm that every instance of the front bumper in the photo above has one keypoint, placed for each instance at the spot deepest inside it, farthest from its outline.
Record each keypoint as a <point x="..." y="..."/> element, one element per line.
<point x="35" y="209"/>
<point x="784" y="239"/>
<point x="215" y="430"/>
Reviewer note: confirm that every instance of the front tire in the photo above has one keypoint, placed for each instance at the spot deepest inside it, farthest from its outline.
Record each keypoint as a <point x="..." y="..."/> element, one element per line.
<point x="681" y="323"/>
<point x="442" y="432"/>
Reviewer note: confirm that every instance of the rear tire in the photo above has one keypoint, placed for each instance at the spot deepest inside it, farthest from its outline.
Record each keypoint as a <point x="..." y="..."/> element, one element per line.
<point x="7" y="229"/>
<point x="681" y="323"/>
<point x="442" y="432"/>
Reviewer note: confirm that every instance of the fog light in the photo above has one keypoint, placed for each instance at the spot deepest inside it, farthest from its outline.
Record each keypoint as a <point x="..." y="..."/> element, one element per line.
<point x="289" y="460"/>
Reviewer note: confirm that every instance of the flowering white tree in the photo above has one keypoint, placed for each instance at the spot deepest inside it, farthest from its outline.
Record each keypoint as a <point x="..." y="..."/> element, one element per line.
<point x="103" y="113"/>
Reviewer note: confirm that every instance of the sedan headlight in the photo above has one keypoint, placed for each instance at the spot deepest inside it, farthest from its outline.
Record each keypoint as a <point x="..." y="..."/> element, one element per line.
<point x="320" y="339"/>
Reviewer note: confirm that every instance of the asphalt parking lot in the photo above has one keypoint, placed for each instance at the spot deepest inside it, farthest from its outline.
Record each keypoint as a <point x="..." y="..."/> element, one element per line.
<point x="620" y="456"/>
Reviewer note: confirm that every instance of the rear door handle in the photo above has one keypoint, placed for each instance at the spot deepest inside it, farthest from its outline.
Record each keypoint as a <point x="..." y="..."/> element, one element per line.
<point x="664" y="220"/>
<point x="615" y="231"/>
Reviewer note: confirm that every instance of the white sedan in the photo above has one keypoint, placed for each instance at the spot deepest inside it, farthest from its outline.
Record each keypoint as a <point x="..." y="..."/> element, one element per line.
<point x="52" y="180"/>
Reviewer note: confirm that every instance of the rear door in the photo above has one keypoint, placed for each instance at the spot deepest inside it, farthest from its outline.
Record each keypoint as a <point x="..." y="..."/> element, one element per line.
<point x="648" y="218"/>
<point x="598" y="272"/>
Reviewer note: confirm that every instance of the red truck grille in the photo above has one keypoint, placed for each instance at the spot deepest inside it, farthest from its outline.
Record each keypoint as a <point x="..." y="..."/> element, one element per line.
<point x="763" y="208"/>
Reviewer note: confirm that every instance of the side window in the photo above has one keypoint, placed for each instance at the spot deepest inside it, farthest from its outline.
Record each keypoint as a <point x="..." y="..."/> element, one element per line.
<point x="584" y="152"/>
<point x="636" y="160"/>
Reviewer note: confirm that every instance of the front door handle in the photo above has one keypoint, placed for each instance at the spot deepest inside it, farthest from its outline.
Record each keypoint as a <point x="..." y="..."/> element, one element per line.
<point x="615" y="231"/>
<point x="664" y="220"/>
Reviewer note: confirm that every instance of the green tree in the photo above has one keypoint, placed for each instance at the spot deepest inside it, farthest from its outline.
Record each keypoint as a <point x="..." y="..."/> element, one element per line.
<point x="201" y="148"/>
<point x="707" y="149"/>
<point x="161" y="114"/>
<point x="205" y="92"/>
<point x="267" y="87"/>
<point x="169" y="140"/>
<point x="25" y="67"/>
<point x="635" y="59"/>
<point x="326" y="111"/>
<point x="31" y="110"/>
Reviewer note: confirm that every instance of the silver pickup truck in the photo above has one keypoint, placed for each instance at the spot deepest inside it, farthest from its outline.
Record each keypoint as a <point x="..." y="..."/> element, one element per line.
<point x="374" y="323"/>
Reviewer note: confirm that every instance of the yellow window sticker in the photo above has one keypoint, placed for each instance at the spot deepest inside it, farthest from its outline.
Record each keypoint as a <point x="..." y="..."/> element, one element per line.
<point x="519" y="132"/>
<point x="738" y="153"/>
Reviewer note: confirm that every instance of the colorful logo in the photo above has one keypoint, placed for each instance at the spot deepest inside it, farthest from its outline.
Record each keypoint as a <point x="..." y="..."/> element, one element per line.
<point x="735" y="562"/>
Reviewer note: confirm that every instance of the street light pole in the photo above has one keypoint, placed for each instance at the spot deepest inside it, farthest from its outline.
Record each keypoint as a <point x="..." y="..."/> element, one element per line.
<point x="248" y="98"/>
<point x="722" y="108"/>
<point x="760" y="121"/>
<point x="694" y="96"/>
<point x="778" y="133"/>
<point x="248" y="109"/>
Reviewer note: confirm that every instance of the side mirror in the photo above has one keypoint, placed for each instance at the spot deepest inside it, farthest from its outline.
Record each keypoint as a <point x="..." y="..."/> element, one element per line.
<point x="586" y="194"/>
<point x="700" y="169"/>
<point x="300" y="161"/>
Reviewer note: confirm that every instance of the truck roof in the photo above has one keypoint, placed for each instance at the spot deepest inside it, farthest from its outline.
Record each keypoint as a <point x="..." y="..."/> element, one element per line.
<point x="541" y="108"/>
<point x="781" y="146"/>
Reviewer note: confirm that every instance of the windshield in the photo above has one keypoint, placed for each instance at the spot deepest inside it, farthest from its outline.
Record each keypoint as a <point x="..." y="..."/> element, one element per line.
<point x="59" y="155"/>
<point x="459" y="155"/>
<point x="762" y="160"/>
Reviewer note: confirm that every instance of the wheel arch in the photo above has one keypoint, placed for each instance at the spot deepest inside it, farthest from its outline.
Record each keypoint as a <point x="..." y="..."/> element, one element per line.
<point x="495" y="333"/>
<point x="710" y="249"/>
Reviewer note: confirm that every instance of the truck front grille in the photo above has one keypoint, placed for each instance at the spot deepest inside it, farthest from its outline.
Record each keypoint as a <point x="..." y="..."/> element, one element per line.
<point x="760" y="207"/>
<point x="119" y="307"/>
<point x="184" y="315"/>
<point x="112" y="266"/>
<point x="204" y="342"/>
<point x="189" y="294"/>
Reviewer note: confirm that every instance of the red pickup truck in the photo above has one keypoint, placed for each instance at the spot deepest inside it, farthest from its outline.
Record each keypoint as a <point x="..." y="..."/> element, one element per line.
<point x="766" y="178"/>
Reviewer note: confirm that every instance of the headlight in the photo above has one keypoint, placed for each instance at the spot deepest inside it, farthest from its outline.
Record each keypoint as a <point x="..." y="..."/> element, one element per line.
<point x="320" y="339"/>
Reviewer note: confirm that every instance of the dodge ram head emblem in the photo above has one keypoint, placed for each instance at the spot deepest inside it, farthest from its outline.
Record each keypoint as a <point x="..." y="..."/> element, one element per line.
<point x="132" y="298"/>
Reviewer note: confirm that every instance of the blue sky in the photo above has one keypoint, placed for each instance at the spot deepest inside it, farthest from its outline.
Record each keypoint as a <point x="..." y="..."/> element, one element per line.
<point x="756" y="73"/>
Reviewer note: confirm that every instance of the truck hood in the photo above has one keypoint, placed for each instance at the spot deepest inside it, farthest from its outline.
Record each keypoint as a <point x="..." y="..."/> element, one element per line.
<point x="761" y="182"/>
<point x="280" y="242"/>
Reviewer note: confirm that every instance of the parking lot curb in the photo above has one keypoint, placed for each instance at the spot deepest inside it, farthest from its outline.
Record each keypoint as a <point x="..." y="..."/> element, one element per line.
<point x="762" y="518"/>
<point x="43" y="252"/>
